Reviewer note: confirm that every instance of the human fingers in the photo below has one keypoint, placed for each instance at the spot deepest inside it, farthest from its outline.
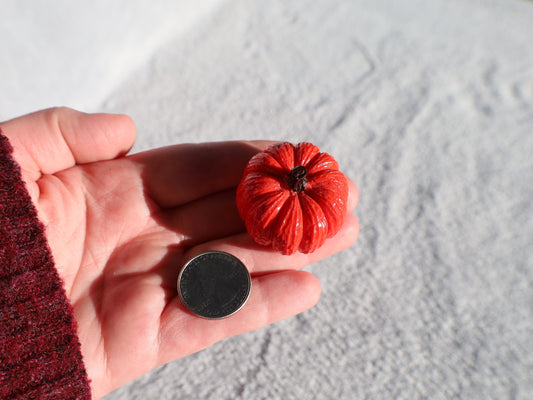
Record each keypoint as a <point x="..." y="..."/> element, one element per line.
<point x="353" y="195"/>
<point x="175" y="175"/>
<point x="215" y="216"/>
<point x="208" y="218"/>
<point x="260" y="259"/>
<point x="273" y="297"/>
<point x="55" y="139"/>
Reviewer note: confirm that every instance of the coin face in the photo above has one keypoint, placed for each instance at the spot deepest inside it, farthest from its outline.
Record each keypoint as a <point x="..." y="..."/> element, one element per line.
<point x="214" y="285"/>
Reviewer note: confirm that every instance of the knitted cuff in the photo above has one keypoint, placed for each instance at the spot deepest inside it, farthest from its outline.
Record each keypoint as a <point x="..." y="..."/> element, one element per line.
<point x="40" y="355"/>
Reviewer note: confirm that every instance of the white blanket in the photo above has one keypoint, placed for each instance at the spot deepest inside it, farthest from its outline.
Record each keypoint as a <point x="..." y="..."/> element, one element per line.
<point x="427" y="106"/>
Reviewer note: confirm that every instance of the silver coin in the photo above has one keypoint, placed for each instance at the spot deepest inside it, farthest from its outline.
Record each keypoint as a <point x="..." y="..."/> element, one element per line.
<point x="214" y="285"/>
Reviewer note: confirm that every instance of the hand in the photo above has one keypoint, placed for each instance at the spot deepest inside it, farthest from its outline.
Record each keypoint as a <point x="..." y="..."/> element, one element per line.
<point x="121" y="227"/>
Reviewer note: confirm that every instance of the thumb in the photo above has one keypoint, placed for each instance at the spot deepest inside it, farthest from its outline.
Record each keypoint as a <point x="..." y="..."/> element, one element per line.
<point x="52" y="140"/>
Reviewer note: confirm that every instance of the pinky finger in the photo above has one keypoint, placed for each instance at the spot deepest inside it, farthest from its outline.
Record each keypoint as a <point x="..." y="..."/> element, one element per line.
<point x="274" y="297"/>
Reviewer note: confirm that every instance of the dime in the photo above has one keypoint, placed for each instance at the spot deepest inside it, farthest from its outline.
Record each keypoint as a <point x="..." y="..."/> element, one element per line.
<point x="214" y="285"/>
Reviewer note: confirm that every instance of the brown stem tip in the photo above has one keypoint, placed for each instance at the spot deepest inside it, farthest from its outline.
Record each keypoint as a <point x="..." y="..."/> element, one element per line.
<point x="297" y="178"/>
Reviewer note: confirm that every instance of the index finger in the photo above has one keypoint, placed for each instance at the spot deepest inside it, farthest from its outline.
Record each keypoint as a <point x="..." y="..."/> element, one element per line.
<point x="176" y="175"/>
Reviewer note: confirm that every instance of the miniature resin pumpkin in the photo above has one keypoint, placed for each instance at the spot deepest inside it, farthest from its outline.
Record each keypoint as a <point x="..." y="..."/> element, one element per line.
<point x="292" y="197"/>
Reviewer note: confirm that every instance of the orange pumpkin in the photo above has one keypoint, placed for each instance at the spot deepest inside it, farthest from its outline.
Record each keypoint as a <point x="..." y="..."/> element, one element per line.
<point x="292" y="197"/>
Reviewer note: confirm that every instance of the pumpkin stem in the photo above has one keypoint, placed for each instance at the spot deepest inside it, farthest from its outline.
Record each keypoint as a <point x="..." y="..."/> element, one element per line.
<point x="297" y="178"/>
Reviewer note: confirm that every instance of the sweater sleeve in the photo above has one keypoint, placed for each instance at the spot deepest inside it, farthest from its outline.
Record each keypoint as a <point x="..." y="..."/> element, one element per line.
<point x="40" y="356"/>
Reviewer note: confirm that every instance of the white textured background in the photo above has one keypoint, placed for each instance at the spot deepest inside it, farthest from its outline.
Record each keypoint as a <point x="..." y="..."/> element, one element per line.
<point x="427" y="106"/>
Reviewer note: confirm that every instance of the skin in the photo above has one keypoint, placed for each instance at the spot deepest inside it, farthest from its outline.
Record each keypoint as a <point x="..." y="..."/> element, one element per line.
<point x="121" y="226"/>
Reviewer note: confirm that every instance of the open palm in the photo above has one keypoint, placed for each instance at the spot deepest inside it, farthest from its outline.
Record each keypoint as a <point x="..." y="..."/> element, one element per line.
<point x="121" y="227"/>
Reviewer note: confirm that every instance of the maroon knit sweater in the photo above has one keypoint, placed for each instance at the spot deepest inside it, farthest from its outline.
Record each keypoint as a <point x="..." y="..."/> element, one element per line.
<point x="40" y="355"/>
